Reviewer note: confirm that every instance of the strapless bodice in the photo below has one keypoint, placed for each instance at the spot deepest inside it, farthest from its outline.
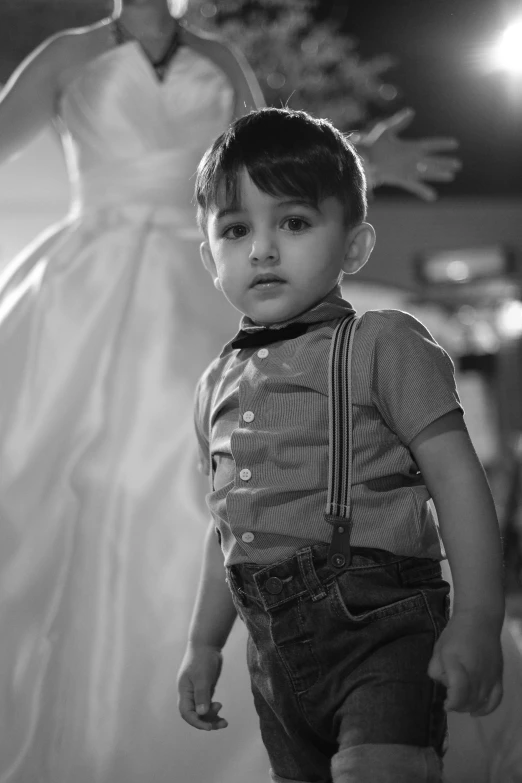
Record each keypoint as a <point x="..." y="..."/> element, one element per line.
<point x="131" y="138"/>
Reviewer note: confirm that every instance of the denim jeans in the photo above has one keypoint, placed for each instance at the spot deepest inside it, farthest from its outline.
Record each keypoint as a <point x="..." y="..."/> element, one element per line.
<point x="338" y="665"/>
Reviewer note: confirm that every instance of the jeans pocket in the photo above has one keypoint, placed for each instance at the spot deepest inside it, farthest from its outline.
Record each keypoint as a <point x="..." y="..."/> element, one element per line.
<point x="425" y="577"/>
<point x="420" y="572"/>
<point x="368" y="595"/>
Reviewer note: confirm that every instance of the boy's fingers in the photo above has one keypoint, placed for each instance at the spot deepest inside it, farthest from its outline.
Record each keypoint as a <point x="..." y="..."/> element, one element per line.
<point x="216" y="721"/>
<point x="459" y="686"/>
<point x="436" y="670"/>
<point x="211" y="719"/>
<point x="193" y="719"/>
<point x="188" y="713"/>
<point x="186" y="703"/>
<point x="202" y="699"/>
<point x="186" y="700"/>
<point x="207" y="722"/>
<point x="491" y="702"/>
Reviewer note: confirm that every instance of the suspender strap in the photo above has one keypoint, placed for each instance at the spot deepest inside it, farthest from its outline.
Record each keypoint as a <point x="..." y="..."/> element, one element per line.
<point x="340" y="441"/>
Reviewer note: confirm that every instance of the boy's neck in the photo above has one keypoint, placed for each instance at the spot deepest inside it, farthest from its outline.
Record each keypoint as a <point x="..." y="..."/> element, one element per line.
<point x="336" y="290"/>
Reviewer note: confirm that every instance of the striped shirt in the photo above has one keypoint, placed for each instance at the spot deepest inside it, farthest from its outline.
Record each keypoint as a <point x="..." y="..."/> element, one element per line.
<point x="261" y="420"/>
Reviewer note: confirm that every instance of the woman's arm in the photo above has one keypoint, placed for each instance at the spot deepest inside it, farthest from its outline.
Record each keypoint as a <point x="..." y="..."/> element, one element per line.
<point x="247" y="92"/>
<point x="28" y="100"/>
<point x="467" y="657"/>
<point x="246" y="87"/>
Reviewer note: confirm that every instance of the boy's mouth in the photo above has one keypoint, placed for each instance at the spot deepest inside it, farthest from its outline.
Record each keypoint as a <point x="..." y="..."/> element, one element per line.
<point x="266" y="281"/>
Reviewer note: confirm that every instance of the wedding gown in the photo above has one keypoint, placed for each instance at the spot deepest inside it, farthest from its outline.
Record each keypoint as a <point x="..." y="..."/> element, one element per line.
<point x="105" y="324"/>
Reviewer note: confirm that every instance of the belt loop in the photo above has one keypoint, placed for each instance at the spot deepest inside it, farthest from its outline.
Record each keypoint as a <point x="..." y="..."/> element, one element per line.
<point x="310" y="578"/>
<point x="231" y="578"/>
<point x="340" y="419"/>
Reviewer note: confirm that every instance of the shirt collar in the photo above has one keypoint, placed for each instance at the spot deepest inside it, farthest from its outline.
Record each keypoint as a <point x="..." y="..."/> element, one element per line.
<point x="330" y="308"/>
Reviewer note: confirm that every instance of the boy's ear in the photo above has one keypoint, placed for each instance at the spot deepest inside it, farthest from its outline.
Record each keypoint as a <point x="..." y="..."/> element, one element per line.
<point x="208" y="263"/>
<point x="359" y="245"/>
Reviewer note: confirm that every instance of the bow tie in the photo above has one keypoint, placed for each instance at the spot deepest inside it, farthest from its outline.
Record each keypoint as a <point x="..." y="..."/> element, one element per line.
<point x="267" y="336"/>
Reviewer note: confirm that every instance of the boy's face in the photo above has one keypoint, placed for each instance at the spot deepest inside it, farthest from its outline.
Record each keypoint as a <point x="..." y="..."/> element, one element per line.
<point x="275" y="257"/>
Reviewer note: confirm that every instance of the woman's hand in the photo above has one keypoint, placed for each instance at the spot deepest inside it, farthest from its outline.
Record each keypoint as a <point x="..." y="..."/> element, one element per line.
<point x="406" y="163"/>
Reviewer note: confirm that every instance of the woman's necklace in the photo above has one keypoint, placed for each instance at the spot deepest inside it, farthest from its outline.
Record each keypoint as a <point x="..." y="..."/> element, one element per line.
<point x="122" y="35"/>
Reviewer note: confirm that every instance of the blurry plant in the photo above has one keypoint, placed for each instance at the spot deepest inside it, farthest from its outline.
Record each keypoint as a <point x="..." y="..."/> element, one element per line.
<point x="299" y="61"/>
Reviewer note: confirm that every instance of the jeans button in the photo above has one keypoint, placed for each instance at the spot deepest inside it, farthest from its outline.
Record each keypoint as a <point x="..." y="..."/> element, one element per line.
<point x="273" y="585"/>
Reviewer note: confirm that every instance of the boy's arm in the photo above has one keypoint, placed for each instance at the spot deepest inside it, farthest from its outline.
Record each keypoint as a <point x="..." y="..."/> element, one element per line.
<point x="214" y="611"/>
<point x="467" y="657"/>
<point x="212" y="620"/>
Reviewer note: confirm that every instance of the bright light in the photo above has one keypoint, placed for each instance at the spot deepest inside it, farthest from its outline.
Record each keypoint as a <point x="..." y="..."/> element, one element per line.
<point x="457" y="270"/>
<point x="509" y="319"/>
<point x="507" y="54"/>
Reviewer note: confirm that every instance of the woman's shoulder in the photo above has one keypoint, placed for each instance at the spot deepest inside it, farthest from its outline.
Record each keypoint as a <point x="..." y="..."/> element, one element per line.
<point x="74" y="41"/>
<point x="40" y="76"/>
<point x="73" y="48"/>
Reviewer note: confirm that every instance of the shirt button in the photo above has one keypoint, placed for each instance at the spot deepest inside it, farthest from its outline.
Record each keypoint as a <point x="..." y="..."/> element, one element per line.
<point x="245" y="474"/>
<point x="262" y="353"/>
<point x="248" y="416"/>
<point x="248" y="538"/>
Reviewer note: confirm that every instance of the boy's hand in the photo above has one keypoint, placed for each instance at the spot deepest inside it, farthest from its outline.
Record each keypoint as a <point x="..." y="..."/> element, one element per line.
<point x="197" y="679"/>
<point x="467" y="659"/>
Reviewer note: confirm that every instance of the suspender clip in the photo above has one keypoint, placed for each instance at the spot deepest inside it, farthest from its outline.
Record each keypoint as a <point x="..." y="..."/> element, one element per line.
<point x="339" y="553"/>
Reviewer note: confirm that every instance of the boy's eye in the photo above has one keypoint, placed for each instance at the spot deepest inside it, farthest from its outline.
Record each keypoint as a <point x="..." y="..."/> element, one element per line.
<point x="295" y="224"/>
<point x="235" y="232"/>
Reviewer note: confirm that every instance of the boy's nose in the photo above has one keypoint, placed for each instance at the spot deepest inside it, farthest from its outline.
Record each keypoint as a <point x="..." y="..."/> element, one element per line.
<point x="264" y="251"/>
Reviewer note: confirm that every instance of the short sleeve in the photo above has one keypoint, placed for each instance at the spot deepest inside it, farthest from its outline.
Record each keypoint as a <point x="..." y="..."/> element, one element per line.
<point x="412" y="377"/>
<point x="201" y="427"/>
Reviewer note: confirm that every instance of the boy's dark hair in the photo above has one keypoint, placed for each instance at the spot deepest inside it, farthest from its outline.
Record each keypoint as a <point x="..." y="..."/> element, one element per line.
<point x="286" y="153"/>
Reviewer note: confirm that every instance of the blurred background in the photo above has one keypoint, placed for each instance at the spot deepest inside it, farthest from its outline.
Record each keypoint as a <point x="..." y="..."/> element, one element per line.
<point x="456" y="263"/>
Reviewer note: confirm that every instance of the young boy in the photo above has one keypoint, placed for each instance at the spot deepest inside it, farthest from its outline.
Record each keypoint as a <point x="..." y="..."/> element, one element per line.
<point x="352" y="658"/>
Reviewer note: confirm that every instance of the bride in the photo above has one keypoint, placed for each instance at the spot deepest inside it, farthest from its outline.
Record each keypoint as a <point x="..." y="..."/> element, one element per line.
<point x="105" y="324"/>
<point x="106" y="321"/>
